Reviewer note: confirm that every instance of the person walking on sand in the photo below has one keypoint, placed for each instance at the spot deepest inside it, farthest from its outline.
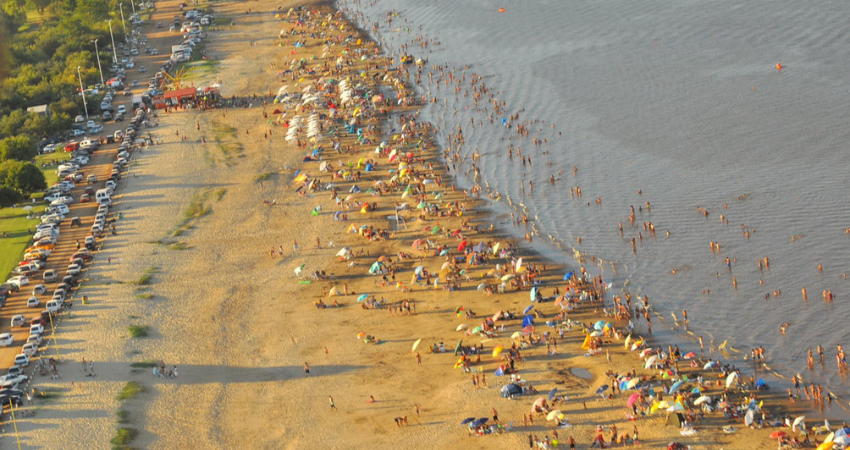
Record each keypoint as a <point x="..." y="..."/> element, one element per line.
<point x="333" y="405"/>
<point x="306" y="368"/>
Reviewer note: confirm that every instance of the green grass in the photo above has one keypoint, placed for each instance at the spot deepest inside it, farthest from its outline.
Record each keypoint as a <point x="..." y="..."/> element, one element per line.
<point x="198" y="207"/>
<point x="146" y="277"/>
<point x="262" y="176"/>
<point x="225" y="138"/>
<point x="179" y="246"/>
<point x="122" y="416"/>
<point x="123" y="437"/>
<point x="145" y="295"/>
<point x="130" y="390"/>
<point x="144" y="364"/>
<point x="219" y="194"/>
<point x="15" y="223"/>
<point x="138" y="331"/>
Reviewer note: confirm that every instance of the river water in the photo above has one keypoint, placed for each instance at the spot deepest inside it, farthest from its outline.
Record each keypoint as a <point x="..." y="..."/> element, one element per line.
<point x="683" y="102"/>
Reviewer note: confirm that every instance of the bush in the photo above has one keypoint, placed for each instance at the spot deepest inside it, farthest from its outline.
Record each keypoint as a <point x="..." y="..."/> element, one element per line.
<point x="138" y="331"/>
<point x="123" y="437"/>
<point x="130" y="390"/>
<point x="20" y="147"/>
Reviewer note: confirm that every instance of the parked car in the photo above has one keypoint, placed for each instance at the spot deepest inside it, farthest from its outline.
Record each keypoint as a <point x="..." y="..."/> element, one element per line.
<point x="37" y="329"/>
<point x="19" y="280"/>
<point x="50" y="276"/>
<point x="29" y="349"/>
<point x="74" y="269"/>
<point x="85" y="198"/>
<point x="33" y="302"/>
<point x="83" y="255"/>
<point x="39" y="289"/>
<point x="6" y="339"/>
<point x="22" y="360"/>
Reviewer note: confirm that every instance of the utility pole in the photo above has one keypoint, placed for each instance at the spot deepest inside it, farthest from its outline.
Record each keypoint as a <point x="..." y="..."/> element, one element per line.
<point x="83" y="93"/>
<point x="99" y="68"/>
<point x="133" y="4"/>
<point x="112" y="36"/>
<point x="121" y="5"/>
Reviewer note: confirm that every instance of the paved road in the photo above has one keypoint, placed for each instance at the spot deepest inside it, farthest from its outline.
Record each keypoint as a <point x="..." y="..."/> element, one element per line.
<point x="100" y="165"/>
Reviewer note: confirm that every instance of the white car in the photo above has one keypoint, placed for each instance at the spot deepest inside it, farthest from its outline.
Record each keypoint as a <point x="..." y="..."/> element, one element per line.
<point x="19" y="280"/>
<point x="6" y="339"/>
<point x="96" y="129"/>
<point x="122" y="109"/>
<point x="18" y="321"/>
<point x="36" y="329"/>
<point x="129" y="64"/>
<point x="13" y="379"/>
<point x="29" y="349"/>
<point x="33" y="302"/>
<point x="22" y="360"/>
<point x="39" y="289"/>
<point x="49" y="277"/>
<point x="35" y="338"/>
<point x="74" y="269"/>
<point x="56" y="209"/>
<point x="78" y="133"/>
<point x="54" y="306"/>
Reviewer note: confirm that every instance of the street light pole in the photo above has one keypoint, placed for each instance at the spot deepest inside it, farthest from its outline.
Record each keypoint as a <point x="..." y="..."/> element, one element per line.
<point x="83" y="93"/>
<point x="114" y="54"/>
<point x="121" y="5"/>
<point x="133" y="4"/>
<point x="97" y="55"/>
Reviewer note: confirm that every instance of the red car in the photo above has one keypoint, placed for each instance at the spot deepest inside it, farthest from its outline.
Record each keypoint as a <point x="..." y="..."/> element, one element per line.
<point x="85" y="256"/>
<point x="72" y="146"/>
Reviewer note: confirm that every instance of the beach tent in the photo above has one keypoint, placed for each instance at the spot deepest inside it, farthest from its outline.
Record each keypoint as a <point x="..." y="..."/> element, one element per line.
<point x="510" y="390"/>
<point x="344" y="252"/>
<point x="375" y="268"/>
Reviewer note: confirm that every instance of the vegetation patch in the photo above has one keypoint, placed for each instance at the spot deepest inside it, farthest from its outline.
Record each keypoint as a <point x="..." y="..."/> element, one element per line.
<point x="138" y="331"/>
<point x="219" y="194"/>
<point x="130" y="390"/>
<point x="262" y="176"/>
<point x="122" y="416"/>
<point x="146" y="277"/>
<point x="145" y="295"/>
<point x="179" y="246"/>
<point x="144" y="364"/>
<point x="123" y="437"/>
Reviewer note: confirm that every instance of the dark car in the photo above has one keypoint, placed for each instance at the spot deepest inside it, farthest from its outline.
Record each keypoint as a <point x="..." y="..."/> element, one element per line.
<point x="6" y="398"/>
<point x="119" y="117"/>
<point x="6" y="288"/>
<point x="70" y="280"/>
<point x="85" y="256"/>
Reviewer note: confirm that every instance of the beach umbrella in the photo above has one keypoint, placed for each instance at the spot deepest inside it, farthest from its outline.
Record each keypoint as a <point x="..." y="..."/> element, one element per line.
<point x="826" y="445"/>
<point x="527" y="309"/>
<point x="477" y="330"/>
<point x="508" y="277"/>
<point x="553" y="415"/>
<point x="552" y="393"/>
<point x="632" y="383"/>
<point x="361" y="335"/>
<point x="731" y="379"/>
<point x="344" y="252"/>
<point x="538" y="403"/>
<point x="482" y="286"/>
<point x="332" y="292"/>
<point x="500" y="372"/>
<point x="596" y="334"/>
<point x="416" y="345"/>
<point x="496" y="247"/>
<point x="676" y="407"/>
<point x="633" y="399"/>
<point x="778" y="434"/>
<point x="709" y="365"/>
<point x="518" y="264"/>
<point x="467" y="420"/>
<point x="645" y="352"/>
<point x="418" y="270"/>
<point x="533" y="293"/>
<point x="460" y="327"/>
<point x="748" y="418"/>
<point x="416" y="243"/>
<point x="480" y="422"/>
<point x="690" y="355"/>
<point x="362" y="297"/>
<point x="567" y="276"/>
<point x="650" y="361"/>
<point x="516" y="335"/>
<point x="675" y="387"/>
<point x="798" y="422"/>
<point x="829" y="437"/>
<point x="299" y="269"/>
<point x="599" y="325"/>
<point x="628" y="340"/>
<point x="602" y="389"/>
<point x="527" y="321"/>
<point x="840" y="440"/>
<point x="457" y="347"/>
<point x="498" y="351"/>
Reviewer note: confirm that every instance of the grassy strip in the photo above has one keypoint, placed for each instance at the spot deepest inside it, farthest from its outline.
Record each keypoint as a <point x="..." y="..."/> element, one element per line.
<point x="146" y="277"/>
<point x="130" y="390"/>
<point x="14" y="222"/>
<point x="145" y="295"/>
<point x="123" y="437"/>
<point x="138" y="331"/>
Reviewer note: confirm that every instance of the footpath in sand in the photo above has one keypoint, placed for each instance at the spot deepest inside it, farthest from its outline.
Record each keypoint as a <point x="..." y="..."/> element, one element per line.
<point x="201" y="220"/>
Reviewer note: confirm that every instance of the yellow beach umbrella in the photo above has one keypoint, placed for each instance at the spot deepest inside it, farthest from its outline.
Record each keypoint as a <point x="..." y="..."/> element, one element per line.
<point x="498" y="351"/>
<point x="416" y="345"/>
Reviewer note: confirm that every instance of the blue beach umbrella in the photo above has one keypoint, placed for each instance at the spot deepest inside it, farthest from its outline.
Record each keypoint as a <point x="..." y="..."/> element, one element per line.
<point x="362" y="297"/>
<point x="467" y="420"/>
<point x="527" y="309"/>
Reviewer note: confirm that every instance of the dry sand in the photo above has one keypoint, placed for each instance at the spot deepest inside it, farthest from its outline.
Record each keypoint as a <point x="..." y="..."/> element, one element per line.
<point x="240" y="327"/>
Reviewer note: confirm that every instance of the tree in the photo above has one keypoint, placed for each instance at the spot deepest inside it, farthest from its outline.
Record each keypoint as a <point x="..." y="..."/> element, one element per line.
<point x="20" y="147"/>
<point x="26" y="178"/>
<point x="8" y="196"/>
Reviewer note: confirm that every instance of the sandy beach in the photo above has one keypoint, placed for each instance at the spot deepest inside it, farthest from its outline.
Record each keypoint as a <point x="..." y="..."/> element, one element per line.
<point x="201" y="215"/>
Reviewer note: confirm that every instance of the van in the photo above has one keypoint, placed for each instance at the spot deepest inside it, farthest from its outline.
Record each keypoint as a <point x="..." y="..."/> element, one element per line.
<point x="102" y="195"/>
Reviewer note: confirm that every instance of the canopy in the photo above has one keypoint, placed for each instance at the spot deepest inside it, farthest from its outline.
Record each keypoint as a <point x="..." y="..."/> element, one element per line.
<point x="553" y="415"/>
<point x="511" y="389"/>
